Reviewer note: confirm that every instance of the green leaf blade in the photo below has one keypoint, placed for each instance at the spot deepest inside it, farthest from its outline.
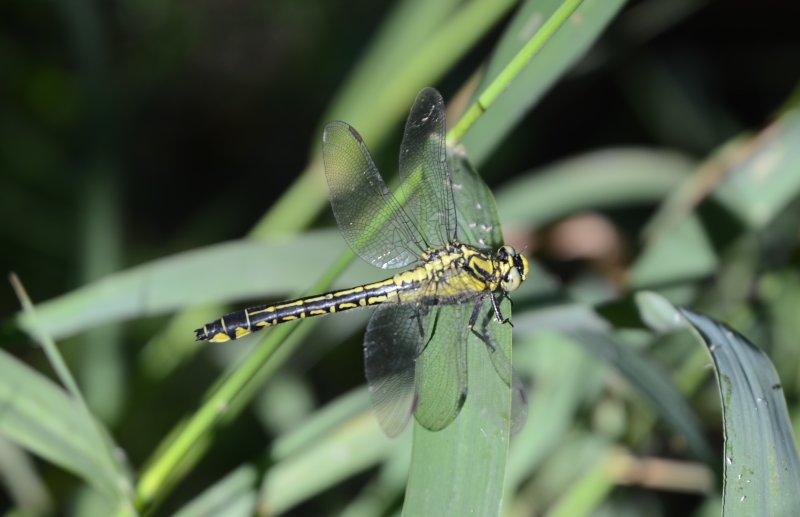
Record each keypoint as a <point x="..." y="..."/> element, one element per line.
<point x="40" y="417"/>
<point x="762" y="469"/>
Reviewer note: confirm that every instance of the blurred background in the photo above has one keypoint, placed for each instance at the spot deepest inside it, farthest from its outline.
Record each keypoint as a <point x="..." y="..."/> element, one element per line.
<point x="134" y="130"/>
<point x="193" y="117"/>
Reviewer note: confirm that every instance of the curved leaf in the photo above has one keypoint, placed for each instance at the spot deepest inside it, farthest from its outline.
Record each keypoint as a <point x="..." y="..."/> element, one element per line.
<point x="762" y="470"/>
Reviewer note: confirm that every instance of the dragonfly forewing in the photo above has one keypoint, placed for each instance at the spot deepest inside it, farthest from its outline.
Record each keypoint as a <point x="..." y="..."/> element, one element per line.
<point x="369" y="217"/>
<point x="425" y="182"/>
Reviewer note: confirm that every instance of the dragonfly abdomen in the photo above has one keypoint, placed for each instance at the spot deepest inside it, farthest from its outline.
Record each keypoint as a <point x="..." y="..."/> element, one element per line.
<point x="242" y="323"/>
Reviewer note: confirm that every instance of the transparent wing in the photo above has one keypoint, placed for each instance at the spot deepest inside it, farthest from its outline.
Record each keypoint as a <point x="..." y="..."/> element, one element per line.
<point x="442" y="368"/>
<point x="477" y="214"/>
<point x="492" y="339"/>
<point x="391" y="345"/>
<point x="425" y="182"/>
<point x="369" y="217"/>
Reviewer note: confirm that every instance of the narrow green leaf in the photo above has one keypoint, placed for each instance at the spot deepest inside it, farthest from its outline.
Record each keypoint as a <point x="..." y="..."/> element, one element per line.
<point x="232" y="496"/>
<point x="39" y="416"/>
<point x="32" y="426"/>
<point x="345" y="450"/>
<point x="653" y="384"/>
<point x="21" y="482"/>
<point x="562" y="376"/>
<point x="584" y="326"/>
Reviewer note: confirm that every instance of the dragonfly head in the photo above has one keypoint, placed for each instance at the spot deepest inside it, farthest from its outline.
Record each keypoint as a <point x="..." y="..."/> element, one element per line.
<point x="513" y="267"/>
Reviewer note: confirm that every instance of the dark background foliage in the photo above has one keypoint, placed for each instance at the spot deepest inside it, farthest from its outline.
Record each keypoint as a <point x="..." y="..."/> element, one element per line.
<point x="147" y="128"/>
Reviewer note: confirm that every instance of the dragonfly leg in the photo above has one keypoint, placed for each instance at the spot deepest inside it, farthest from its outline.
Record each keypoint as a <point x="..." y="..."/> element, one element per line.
<point x="496" y="306"/>
<point x="475" y="312"/>
<point x="422" y="332"/>
<point x="419" y="312"/>
<point x="474" y="319"/>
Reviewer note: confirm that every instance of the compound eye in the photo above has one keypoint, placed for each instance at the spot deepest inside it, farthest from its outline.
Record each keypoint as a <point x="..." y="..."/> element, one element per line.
<point x="512" y="280"/>
<point x="507" y="251"/>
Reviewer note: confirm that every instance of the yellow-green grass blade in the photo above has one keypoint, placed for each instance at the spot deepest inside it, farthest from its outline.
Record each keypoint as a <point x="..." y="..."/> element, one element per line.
<point x="523" y="89"/>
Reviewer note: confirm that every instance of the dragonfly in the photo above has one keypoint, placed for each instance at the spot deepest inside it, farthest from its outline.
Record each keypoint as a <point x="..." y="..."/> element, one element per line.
<point x="442" y="278"/>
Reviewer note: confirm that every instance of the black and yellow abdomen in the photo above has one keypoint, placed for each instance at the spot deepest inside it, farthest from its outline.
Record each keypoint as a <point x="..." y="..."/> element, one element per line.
<point x="242" y="323"/>
<point x="455" y="273"/>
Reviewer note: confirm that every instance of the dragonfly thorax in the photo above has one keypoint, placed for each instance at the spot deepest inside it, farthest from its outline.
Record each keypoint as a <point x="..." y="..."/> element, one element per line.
<point x="462" y="271"/>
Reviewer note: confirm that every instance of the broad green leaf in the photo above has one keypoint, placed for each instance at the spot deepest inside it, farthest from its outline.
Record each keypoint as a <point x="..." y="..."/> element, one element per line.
<point x="460" y="470"/>
<point x="762" y="468"/>
<point x="594" y="180"/>
<point x="225" y="272"/>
